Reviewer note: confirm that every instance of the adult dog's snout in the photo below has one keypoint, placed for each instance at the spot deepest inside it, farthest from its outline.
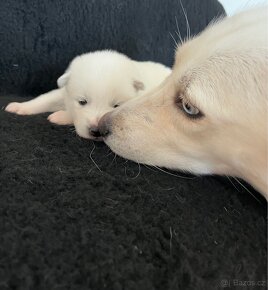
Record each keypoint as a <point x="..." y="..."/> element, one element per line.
<point x="105" y="125"/>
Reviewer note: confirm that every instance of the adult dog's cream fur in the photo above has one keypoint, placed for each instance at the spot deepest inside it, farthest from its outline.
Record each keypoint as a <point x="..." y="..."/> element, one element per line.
<point x="94" y="84"/>
<point x="210" y="115"/>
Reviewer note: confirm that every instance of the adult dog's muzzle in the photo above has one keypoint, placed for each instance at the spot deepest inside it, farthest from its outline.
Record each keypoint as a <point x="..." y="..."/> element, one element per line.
<point x="105" y="125"/>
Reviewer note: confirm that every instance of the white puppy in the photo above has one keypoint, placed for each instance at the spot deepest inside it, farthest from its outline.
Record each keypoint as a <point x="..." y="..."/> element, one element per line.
<point x="210" y="115"/>
<point x="94" y="84"/>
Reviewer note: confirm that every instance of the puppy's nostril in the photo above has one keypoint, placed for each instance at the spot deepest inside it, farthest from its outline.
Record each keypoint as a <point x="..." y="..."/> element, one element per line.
<point x="94" y="131"/>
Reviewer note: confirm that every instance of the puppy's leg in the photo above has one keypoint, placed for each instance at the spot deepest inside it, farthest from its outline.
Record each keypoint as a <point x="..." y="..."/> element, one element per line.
<point x="49" y="102"/>
<point x="61" y="118"/>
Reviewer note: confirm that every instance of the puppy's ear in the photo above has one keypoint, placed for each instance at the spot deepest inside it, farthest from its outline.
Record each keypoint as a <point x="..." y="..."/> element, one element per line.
<point x="138" y="85"/>
<point x="63" y="80"/>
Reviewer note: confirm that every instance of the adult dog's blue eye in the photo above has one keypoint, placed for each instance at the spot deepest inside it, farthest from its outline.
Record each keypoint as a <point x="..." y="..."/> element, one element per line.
<point x="189" y="109"/>
<point x="82" y="102"/>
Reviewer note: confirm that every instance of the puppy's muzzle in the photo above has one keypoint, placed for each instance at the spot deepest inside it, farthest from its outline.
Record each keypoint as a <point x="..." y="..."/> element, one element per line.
<point x="105" y="125"/>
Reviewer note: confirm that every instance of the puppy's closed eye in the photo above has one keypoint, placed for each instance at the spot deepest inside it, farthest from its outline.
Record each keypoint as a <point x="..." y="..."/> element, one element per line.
<point x="82" y="102"/>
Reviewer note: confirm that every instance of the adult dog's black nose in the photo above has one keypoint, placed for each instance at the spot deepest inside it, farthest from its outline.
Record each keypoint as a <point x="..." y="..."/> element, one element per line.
<point x="105" y="125"/>
<point x="94" y="132"/>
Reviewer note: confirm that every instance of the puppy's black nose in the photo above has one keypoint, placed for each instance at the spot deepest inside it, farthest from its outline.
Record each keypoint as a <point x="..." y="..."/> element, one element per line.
<point x="94" y="131"/>
<point x="105" y="125"/>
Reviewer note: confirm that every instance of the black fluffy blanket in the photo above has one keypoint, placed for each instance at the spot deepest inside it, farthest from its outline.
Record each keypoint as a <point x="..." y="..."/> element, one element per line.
<point x="75" y="216"/>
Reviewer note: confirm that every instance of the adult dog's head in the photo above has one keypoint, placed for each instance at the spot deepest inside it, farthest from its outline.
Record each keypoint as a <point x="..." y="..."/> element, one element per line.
<point x="210" y="115"/>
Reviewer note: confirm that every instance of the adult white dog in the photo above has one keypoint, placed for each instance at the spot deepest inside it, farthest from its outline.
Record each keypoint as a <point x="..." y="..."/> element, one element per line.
<point x="94" y="84"/>
<point x="210" y="115"/>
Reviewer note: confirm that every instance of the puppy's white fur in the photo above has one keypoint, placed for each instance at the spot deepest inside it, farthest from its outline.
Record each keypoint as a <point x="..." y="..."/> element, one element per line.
<point x="102" y="79"/>
<point x="223" y="74"/>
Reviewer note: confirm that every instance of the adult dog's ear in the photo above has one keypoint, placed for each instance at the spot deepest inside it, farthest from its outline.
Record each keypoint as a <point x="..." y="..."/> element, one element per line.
<point x="63" y="80"/>
<point x="138" y="85"/>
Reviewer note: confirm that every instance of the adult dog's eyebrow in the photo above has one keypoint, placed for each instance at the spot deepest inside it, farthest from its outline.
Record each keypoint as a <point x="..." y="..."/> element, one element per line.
<point x="185" y="81"/>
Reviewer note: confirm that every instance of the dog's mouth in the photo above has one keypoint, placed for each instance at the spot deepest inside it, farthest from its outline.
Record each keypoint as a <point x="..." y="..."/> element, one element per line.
<point x="93" y="135"/>
<point x="98" y="139"/>
<point x="92" y="138"/>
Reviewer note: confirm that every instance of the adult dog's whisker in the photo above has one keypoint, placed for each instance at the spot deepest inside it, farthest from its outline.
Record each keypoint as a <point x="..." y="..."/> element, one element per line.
<point x="178" y="32"/>
<point x="187" y="21"/>
<point x="232" y="183"/>
<point x="114" y="159"/>
<point x="237" y="180"/>
<point x="110" y="153"/>
<point x="176" y="43"/>
<point x="138" y="172"/>
<point x="90" y="156"/>
<point x="173" y="174"/>
<point x="149" y="167"/>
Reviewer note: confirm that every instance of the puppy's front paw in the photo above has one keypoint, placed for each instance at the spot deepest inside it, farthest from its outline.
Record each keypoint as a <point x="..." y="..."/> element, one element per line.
<point x="18" y="108"/>
<point x="60" y="118"/>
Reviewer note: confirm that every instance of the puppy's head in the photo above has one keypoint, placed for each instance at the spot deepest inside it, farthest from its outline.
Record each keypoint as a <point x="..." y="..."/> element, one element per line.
<point x="97" y="83"/>
<point x="209" y="111"/>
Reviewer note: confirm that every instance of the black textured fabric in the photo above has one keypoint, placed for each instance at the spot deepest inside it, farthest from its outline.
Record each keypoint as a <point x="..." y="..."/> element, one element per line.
<point x="74" y="216"/>
<point x="39" y="38"/>
<point x="65" y="224"/>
